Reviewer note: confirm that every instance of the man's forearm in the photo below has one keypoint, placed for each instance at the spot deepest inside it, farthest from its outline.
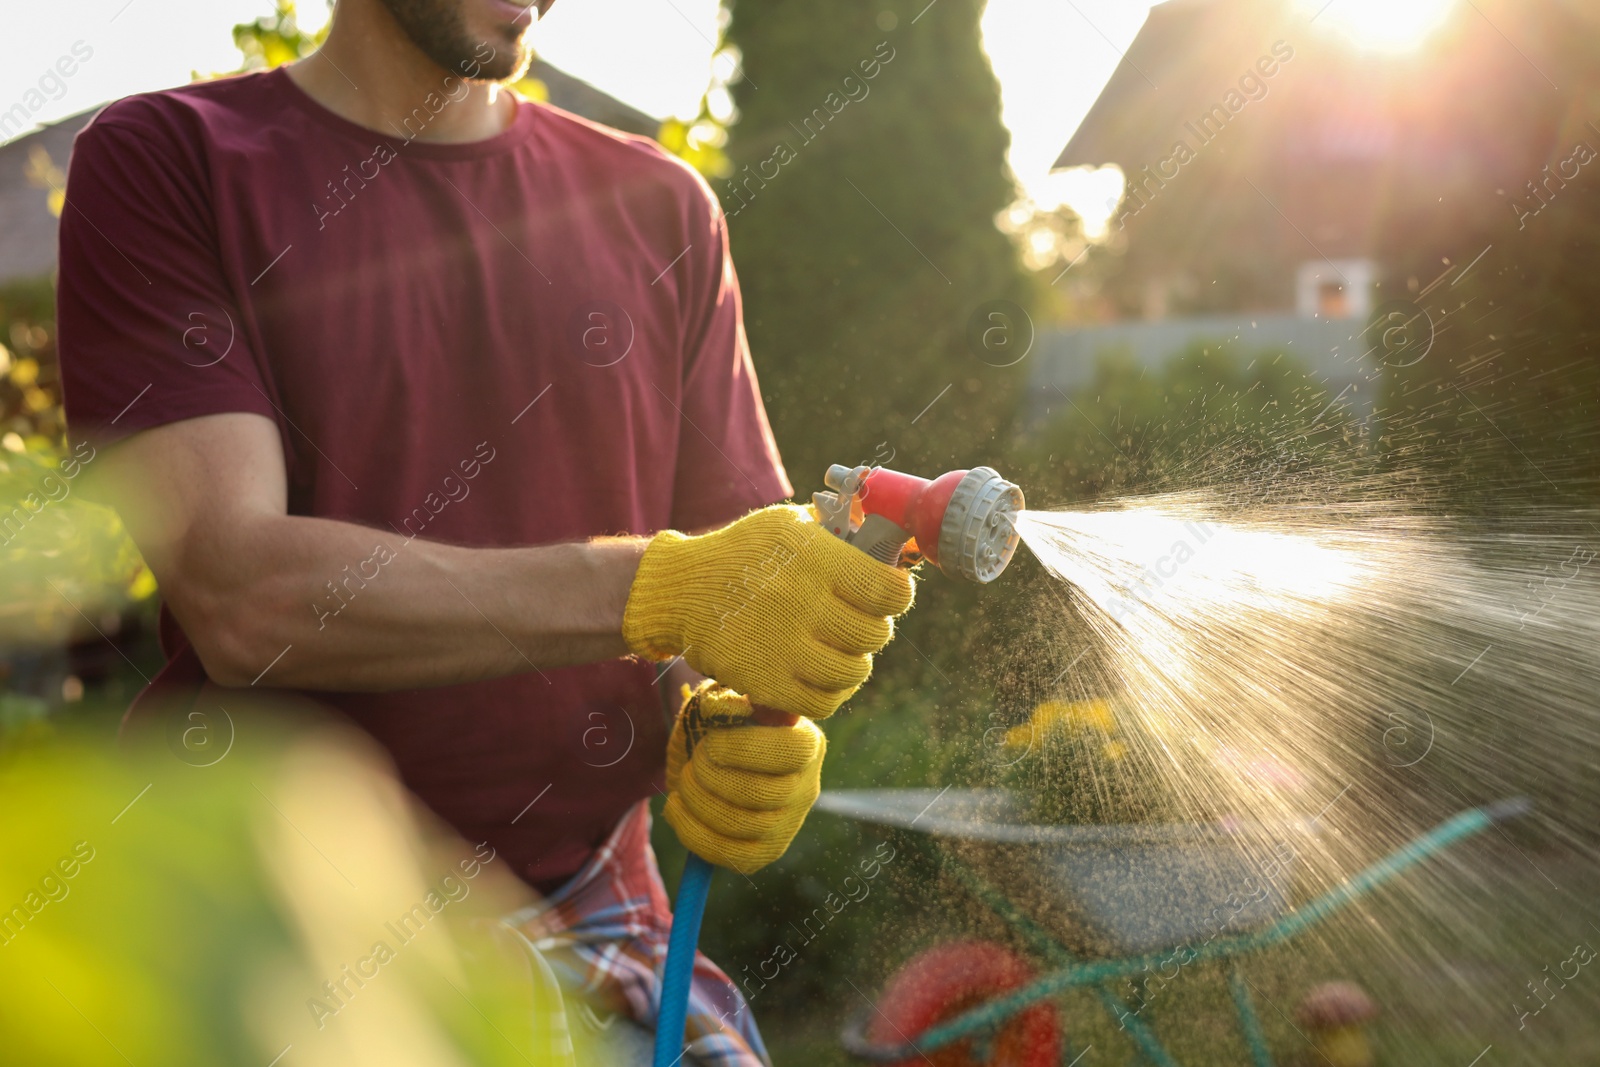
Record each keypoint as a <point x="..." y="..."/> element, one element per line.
<point x="318" y="604"/>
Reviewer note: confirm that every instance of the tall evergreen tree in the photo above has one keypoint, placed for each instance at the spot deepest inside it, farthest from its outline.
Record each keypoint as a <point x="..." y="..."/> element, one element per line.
<point x="864" y="231"/>
<point x="868" y="165"/>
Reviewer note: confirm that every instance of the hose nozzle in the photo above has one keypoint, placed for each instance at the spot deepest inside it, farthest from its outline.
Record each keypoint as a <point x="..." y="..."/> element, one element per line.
<point x="961" y="520"/>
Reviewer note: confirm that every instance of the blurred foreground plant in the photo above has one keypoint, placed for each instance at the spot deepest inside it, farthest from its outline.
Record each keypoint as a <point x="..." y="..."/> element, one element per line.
<point x="64" y="562"/>
<point x="286" y="895"/>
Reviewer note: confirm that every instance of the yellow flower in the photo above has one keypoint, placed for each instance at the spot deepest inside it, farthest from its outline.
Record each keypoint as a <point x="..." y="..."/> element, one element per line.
<point x="1062" y="715"/>
<point x="531" y="88"/>
<point x="1096" y="714"/>
<point x="24" y="372"/>
<point x="143" y="584"/>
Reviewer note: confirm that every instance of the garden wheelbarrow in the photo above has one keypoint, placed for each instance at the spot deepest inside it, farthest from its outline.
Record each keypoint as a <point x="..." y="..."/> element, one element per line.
<point x="1098" y="904"/>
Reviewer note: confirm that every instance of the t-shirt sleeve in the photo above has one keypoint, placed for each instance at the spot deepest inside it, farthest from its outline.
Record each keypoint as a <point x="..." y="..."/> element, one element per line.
<point x="150" y="331"/>
<point x="727" y="459"/>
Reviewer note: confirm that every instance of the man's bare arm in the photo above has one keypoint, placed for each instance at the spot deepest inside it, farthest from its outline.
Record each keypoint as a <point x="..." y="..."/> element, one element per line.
<point x="206" y="501"/>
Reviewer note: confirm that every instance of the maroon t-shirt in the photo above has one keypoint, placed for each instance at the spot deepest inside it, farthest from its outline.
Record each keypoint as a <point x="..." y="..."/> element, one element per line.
<point x="517" y="341"/>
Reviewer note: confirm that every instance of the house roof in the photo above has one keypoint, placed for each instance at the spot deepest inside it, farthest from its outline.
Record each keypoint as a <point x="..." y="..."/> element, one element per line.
<point x="28" y="249"/>
<point x="1185" y="56"/>
<point x="582" y="99"/>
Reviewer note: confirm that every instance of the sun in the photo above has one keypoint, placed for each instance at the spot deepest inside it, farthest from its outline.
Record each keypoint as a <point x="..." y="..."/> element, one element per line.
<point x="1381" y="25"/>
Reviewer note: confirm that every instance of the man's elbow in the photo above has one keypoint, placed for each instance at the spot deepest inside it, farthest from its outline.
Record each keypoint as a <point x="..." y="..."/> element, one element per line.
<point x="230" y="631"/>
<point x="223" y="664"/>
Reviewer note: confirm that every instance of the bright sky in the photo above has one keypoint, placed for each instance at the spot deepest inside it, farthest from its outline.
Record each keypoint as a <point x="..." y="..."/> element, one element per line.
<point x="1051" y="57"/>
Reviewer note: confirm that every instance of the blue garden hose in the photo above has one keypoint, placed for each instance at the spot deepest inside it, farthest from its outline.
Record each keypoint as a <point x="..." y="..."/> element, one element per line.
<point x="678" y="972"/>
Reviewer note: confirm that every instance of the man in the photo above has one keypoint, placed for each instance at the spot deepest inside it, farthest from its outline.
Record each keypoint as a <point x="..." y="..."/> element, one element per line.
<point x="385" y="353"/>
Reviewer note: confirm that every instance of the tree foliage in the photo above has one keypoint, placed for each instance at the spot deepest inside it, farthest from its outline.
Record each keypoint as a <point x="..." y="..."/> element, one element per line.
<point x="273" y="40"/>
<point x="864" y="242"/>
<point x="1506" y="280"/>
<point x="868" y="166"/>
<point x="1217" y="416"/>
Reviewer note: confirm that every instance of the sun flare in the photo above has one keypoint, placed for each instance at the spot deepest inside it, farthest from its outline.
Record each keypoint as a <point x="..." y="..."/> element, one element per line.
<point x="1381" y="25"/>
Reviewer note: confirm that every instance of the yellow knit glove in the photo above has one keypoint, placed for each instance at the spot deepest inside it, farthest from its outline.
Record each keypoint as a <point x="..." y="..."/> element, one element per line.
<point x="773" y="606"/>
<point x="738" y="792"/>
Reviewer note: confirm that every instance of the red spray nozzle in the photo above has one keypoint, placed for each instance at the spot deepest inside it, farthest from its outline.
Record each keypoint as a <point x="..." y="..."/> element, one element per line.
<point x="961" y="519"/>
<point x="916" y="505"/>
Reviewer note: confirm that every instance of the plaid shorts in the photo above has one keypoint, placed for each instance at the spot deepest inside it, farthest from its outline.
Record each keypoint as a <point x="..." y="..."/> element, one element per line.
<point x="603" y="938"/>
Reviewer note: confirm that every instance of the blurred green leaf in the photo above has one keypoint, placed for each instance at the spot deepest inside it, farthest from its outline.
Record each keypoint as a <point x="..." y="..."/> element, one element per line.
<point x="273" y="40"/>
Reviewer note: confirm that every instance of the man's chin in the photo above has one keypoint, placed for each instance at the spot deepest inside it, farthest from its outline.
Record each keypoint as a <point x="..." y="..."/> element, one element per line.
<point x="506" y="74"/>
<point x="510" y="58"/>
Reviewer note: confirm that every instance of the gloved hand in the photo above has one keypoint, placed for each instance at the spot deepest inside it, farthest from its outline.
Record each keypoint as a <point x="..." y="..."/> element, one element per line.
<point x="738" y="792"/>
<point x="773" y="606"/>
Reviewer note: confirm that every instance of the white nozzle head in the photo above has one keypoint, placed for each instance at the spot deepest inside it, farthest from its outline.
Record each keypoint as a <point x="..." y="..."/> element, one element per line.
<point x="977" y="537"/>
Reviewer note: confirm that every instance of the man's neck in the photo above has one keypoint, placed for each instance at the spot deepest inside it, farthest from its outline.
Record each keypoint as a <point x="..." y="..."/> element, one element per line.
<point x="370" y="73"/>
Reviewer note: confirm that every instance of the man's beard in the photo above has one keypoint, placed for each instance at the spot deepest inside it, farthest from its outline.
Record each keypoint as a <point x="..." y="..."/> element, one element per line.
<point x="438" y="29"/>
